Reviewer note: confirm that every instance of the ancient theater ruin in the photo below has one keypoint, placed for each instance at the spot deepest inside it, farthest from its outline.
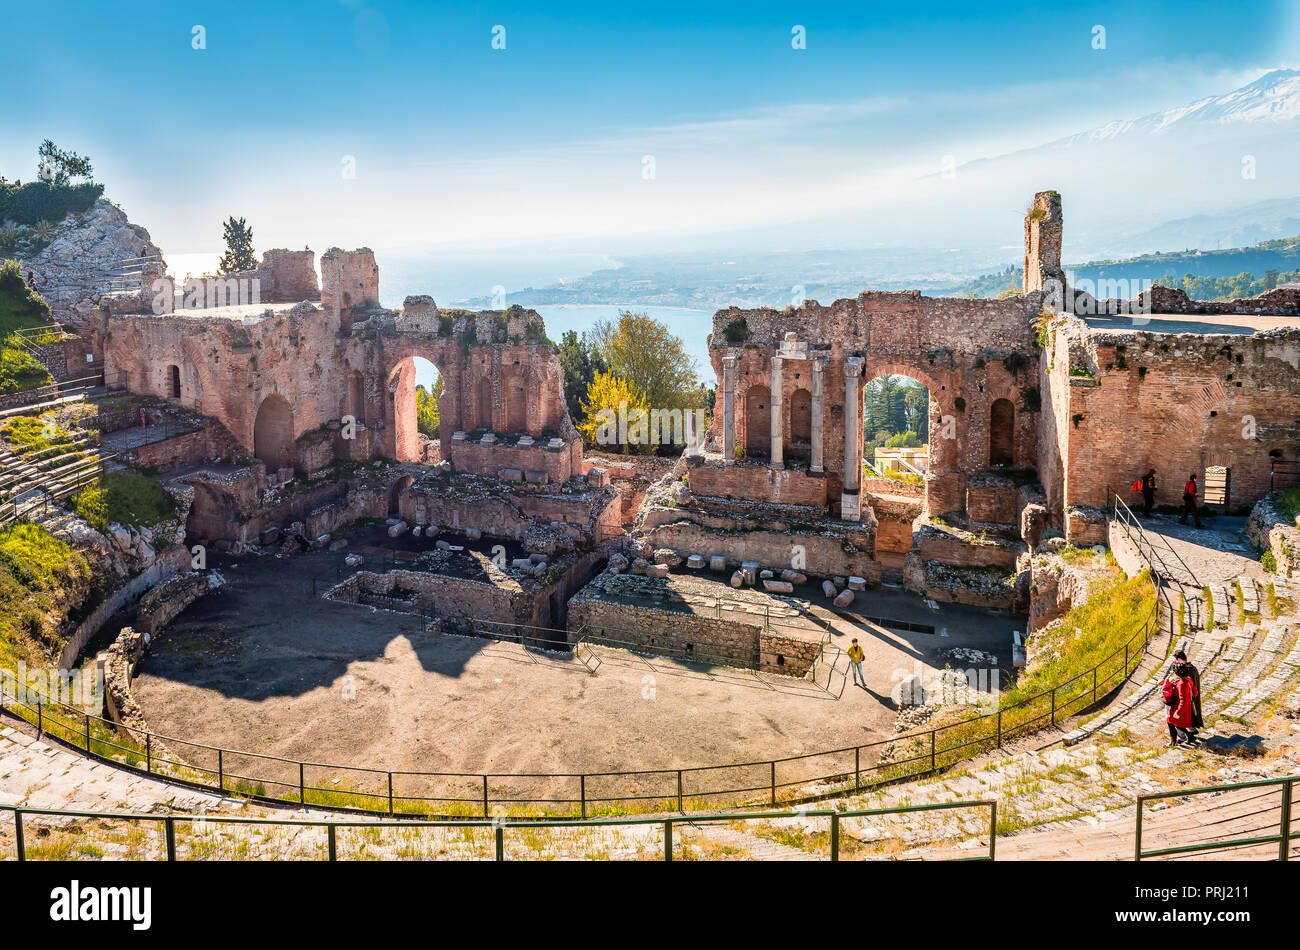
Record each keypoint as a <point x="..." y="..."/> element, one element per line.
<point x="289" y="424"/>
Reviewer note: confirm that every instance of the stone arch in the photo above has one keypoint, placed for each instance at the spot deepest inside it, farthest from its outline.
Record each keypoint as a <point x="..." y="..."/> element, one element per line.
<point x="483" y="403"/>
<point x="800" y="435"/>
<point x="395" y="493"/>
<point x="1002" y="434"/>
<point x="758" y="422"/>
<point x="515" y="392"/>
<point x="273" y="433"/>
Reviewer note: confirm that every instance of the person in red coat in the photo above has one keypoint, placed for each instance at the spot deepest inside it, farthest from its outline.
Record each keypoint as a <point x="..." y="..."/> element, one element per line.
<point x="1179" y="691"/>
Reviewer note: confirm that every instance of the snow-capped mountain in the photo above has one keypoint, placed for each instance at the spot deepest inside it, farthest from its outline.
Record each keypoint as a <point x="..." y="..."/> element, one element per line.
<point x="1272" y="98"/>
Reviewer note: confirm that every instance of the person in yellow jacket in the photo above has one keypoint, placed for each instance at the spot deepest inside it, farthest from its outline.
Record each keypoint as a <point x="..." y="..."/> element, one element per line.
<point x="856" y="656"/>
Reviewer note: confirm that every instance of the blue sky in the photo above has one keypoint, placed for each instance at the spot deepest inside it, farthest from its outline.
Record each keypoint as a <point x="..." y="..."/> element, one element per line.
<point x="458" y="144"/>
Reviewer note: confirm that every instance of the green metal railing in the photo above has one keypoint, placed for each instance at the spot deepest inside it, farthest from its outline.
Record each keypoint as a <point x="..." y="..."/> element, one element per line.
<point x="1282" y="838"/>
<point x="497" y="827"/>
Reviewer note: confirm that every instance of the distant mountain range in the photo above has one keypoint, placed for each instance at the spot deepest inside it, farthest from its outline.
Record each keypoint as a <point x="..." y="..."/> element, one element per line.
<point x="1224" y="165"/>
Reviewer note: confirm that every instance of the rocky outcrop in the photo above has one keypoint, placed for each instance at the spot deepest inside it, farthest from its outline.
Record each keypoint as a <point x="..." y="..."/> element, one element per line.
<point x="1270" y="530"/>
<point x="73" y="271"/>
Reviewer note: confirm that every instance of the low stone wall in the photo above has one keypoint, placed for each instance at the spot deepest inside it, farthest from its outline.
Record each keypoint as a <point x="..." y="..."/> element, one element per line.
<point x="161" y="605"/>
<point x="961" y="550"/>
<point x="622" y="611"/>
<point x="992" y="499"/>
<point x="1269" y="530"/>
<point x="168" y="562"/>
<point x="750" y="480"/>
<point x="445" y="596"/>
<point x="490" y="459"/>
<point x="816" y="554"/>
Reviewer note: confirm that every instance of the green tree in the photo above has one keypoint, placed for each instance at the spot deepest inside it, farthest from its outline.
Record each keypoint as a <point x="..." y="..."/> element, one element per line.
<point x="644" y="352"/>
<point x="428" y="420"/>
<point x="60" y="167"/>
<point x="239" y="247"/>
<point x="580" y="361"/>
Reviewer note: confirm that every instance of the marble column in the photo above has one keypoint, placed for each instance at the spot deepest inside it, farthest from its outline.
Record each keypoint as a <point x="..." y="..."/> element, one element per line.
<point x="777" y="403"/>
<point x="729" y="409"/>
<point x="851" y="498"/>
<point x="818" y="383"/>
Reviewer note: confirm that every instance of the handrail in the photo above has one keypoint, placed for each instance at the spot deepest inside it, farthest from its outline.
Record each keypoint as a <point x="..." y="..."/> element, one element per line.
<point x="499" y="826"/>
<point x="861" y="774"/>
<point x="1282" y="839"/>
<point x="1125" y="518"/>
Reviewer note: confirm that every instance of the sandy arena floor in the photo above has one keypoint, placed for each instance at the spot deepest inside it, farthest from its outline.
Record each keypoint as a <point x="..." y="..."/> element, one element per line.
<point x="266" y="665"/>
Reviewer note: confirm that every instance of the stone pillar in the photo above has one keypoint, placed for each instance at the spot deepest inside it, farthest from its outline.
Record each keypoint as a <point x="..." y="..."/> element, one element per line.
<point x="777" y="455"/>
<point x="851" y="498"/>
<point x="729" y="409"/>
<point x="818" y="383"/>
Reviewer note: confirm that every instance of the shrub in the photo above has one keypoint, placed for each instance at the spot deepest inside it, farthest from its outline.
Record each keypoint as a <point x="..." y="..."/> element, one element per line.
<point x="46" y="201"/>
<point x="20" y="370"/>
<point x="737" y="331"/>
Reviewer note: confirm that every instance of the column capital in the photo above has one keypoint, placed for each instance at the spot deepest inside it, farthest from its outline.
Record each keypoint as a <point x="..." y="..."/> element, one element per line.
<point x="854" y="365"/>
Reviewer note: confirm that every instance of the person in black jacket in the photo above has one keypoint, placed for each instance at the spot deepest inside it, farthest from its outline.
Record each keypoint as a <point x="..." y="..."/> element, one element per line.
<point x="1190" y="670"/>
<point x="1148" y="492"/>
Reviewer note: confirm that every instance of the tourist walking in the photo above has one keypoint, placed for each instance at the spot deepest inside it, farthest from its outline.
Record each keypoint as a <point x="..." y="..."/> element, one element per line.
<point x="1148" y="493"/>
<point x="856" y="656"/>
<point x="1190" y="670"/>
<point x="1177" y="691"/>
<point x="1189" y="501"/>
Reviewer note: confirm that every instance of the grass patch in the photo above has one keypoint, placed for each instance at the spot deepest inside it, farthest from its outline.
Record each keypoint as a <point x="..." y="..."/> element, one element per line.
<point x="39" y="576"/>
<point x="1091" y="636"/>
<point x="27" y="434"/>
<point x="1289" y="504"/>
<point x="127" y="498"/>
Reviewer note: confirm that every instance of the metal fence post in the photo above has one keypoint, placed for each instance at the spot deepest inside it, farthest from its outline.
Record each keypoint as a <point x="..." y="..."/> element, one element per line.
<point x="485" y="797"/>
<point x="668" y="839"/>
<point x="221" y="770"/>
<point x="390" y="793"/>
<point x="993" y="830"/>
<point x="169" y="826"/>
<point x="1137" y="833"/>
<point x="87" y="715"/>
<point x="1284" y="846"/>
<point x="835" y="836"/>
<point x="1053" y="705"/>
<point x="18" y="834"/>
<point x="40" y="719"/>
<point x="857" y="768"/>
<point x="582" y="793"/>
<point x="334" y="852"/>
<point x="302" y="785"/>
<point x="679" y="791"/>
<point x="999" y="728"/>
<point x="774" y="781"/>
<point x="148" y="753"/>
<point x="501" y="842"/>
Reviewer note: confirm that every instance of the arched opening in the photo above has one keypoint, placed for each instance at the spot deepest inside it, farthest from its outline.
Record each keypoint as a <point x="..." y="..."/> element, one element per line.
<point x="896" y="457"/>
<point x="800" y="437"/>
<point x="414" y="387"/>
<point x="758" y="422"/>
<point x="896" y="427"/>
<point x="1002" y="434"/>
<point x="174" y="381"/>
<point x="273" y="433"/>
<point x="516" y="390"/>
<point x="395" y="494"/>
<point x="483" y="404"/>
